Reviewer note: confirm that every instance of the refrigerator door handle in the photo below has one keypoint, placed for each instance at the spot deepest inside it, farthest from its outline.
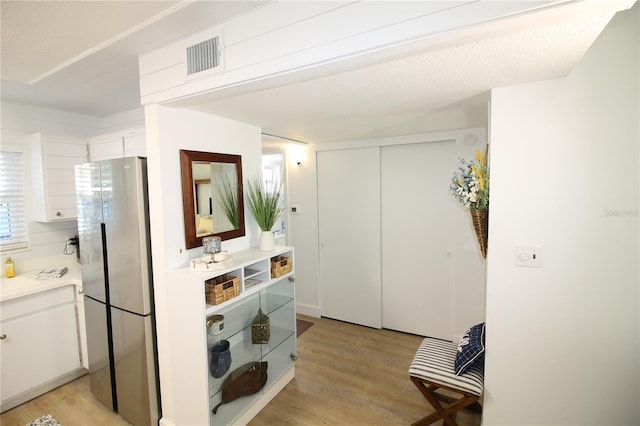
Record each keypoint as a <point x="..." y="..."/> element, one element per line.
<point x="105" y="265"/>
<point x="144" y="240"/>
<point x="105" y="261"/>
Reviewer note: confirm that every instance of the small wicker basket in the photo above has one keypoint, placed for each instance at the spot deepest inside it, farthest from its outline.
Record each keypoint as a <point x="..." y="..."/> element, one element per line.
<point x="220" y="289"/>
<point x="280" y="265"/>
<point x="480" y="220"/>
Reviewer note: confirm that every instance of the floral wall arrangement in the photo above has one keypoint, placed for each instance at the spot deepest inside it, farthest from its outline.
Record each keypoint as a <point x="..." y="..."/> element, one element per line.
<point x="470" y="187"/>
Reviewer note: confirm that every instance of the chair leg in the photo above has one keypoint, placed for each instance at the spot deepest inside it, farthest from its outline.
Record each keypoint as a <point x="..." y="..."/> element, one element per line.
<point x="428" y="390"/>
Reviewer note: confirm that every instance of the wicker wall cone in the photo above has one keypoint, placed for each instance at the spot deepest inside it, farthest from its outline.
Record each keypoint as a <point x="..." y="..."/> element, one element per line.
<point x="480" y="219"/>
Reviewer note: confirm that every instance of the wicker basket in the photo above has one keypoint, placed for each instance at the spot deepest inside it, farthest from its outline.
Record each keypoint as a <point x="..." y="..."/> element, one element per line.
<point x="280" y="265"/>
<point x="480" y="219"/>
<point x="220" y="289"/>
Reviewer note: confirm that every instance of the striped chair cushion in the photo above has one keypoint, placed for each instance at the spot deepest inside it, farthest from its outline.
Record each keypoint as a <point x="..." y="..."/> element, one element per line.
<point x="434" y="362"/>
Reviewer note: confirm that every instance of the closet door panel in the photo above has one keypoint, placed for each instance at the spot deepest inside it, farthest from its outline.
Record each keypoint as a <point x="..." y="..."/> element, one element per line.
<point x="349" y="235"/>
<point x="418" y="238"/>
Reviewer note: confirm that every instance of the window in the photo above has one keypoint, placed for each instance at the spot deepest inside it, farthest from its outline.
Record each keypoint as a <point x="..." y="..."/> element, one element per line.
<point x="273" y="173"/>
<point x="13" y="219"/>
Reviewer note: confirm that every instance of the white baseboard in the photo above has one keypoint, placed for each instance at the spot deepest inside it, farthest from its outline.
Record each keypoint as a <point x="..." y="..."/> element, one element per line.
<point x="41" y="389"/>
<point x="310" y="310"/>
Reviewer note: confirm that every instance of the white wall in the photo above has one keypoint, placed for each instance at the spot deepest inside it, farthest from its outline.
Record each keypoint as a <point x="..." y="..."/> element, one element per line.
<point x="303" y="229"/>
<point x="47" y="240"/>
<point x="123" y="120"/>
<point x="563" y="340"/>
<point x="167" y="131"/>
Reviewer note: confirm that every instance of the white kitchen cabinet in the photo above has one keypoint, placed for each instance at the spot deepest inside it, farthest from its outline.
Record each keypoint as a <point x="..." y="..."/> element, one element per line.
<point x="135" y="143"/>
<point x="125" y="143"/>
<point x="39" y="343"/>
<point x="186" y="370"/>
<point x="53" y="159"/>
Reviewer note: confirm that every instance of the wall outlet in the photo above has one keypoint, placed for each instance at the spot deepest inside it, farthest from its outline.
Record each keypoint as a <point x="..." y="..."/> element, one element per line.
<point x="183" y="255"/>
<point x="530" y="256"/>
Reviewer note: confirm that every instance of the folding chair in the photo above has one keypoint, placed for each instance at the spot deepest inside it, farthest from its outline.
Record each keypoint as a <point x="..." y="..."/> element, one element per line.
<point x="432" y="369"/>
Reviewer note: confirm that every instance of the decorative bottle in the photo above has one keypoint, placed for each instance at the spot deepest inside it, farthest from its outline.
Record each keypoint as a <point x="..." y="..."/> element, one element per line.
<point x="9" y="268"/>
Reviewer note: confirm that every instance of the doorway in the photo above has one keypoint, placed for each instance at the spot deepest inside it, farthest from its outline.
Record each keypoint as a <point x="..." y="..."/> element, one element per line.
<point x="274" y="173"/>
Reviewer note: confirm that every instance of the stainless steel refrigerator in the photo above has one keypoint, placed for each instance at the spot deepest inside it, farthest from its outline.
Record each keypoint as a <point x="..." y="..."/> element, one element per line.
<point x="115" y="255"/>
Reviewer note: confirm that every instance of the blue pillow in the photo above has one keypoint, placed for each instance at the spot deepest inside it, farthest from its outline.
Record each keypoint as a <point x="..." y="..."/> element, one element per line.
<point x="470" y="349"/>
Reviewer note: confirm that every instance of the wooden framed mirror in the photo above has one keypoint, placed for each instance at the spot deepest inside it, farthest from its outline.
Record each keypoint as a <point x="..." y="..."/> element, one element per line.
<point x="212" y="198"/>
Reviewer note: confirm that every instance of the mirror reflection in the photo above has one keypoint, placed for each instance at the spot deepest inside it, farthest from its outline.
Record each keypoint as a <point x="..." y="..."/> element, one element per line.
<point x="212" y="196"/>
<point x="215" y="193"/>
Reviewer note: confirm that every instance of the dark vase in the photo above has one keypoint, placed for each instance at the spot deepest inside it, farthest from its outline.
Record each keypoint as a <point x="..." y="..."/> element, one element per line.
<point x="219" y="359"/>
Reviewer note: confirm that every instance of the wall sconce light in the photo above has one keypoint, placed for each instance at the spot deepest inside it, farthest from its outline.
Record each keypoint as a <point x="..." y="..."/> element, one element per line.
<point x="296" y="149"/>
<point x="297" y="153"/>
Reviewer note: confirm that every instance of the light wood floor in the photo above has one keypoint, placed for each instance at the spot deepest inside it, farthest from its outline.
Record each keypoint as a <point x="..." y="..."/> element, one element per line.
<point x="72" y="405"/>
<point x="345" y="375"/>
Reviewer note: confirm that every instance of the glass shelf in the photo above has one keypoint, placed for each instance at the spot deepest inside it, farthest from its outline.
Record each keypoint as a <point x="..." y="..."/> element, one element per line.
<point x="239" y="316"/>
<point x="242" y="352"/>
<point x="227" y="413"/>
<point x="274" y="301"/>
<point x="278" y="335"/>
<point x="279" y="360"/>
<point x="275" y="297"/>
<point x="237" y="330"/>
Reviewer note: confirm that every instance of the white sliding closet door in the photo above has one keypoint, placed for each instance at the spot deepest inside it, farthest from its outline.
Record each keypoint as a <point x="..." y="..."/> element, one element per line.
<point x="418" y="238"/>
<point x="349" y="235"/>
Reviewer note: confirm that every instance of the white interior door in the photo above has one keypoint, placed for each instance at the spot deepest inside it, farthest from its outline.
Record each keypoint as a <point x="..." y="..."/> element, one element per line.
<point x="418" y="238"/>
<point x="349" y="235"/>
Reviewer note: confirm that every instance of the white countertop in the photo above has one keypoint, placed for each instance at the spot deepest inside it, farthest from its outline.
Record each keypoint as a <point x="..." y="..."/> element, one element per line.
<point x="25" y="284"/>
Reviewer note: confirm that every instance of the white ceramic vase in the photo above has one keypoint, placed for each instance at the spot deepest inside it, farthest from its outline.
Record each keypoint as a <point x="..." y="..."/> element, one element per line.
<point x="267" y="241"/>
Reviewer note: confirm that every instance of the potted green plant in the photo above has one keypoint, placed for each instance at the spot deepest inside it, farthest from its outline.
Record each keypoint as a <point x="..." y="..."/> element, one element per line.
<point x="229" y="201"/>
<point x="263" y="200"/>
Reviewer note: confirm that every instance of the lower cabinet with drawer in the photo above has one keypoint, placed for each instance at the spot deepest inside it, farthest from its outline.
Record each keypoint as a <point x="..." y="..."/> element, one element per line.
<point x="39" y="344"/>
<point x="230" y="354"/>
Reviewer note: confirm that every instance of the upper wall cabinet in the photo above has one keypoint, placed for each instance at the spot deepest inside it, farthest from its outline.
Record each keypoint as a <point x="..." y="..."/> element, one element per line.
<point x="126" y="143"/>
<point x="53" y="159"/>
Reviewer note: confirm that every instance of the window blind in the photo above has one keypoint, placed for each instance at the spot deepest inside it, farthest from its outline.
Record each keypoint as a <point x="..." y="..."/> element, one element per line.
<point x="13" y="218"/>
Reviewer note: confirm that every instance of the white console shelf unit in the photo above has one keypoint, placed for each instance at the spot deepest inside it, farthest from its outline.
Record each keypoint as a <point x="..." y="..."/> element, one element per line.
<point x="195" y="392"/>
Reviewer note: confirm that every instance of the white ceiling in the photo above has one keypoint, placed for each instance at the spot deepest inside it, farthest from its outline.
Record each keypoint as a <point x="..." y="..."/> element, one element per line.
<point x="82" y="56"/>
<point x="430" y="91"/>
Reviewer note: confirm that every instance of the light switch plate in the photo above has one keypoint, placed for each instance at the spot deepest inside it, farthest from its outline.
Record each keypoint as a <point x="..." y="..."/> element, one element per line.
<point x="530" y="256"/>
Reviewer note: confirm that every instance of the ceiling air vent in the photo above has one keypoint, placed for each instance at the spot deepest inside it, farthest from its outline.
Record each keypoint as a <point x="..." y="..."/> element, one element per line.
<point x="203" y="56"/>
